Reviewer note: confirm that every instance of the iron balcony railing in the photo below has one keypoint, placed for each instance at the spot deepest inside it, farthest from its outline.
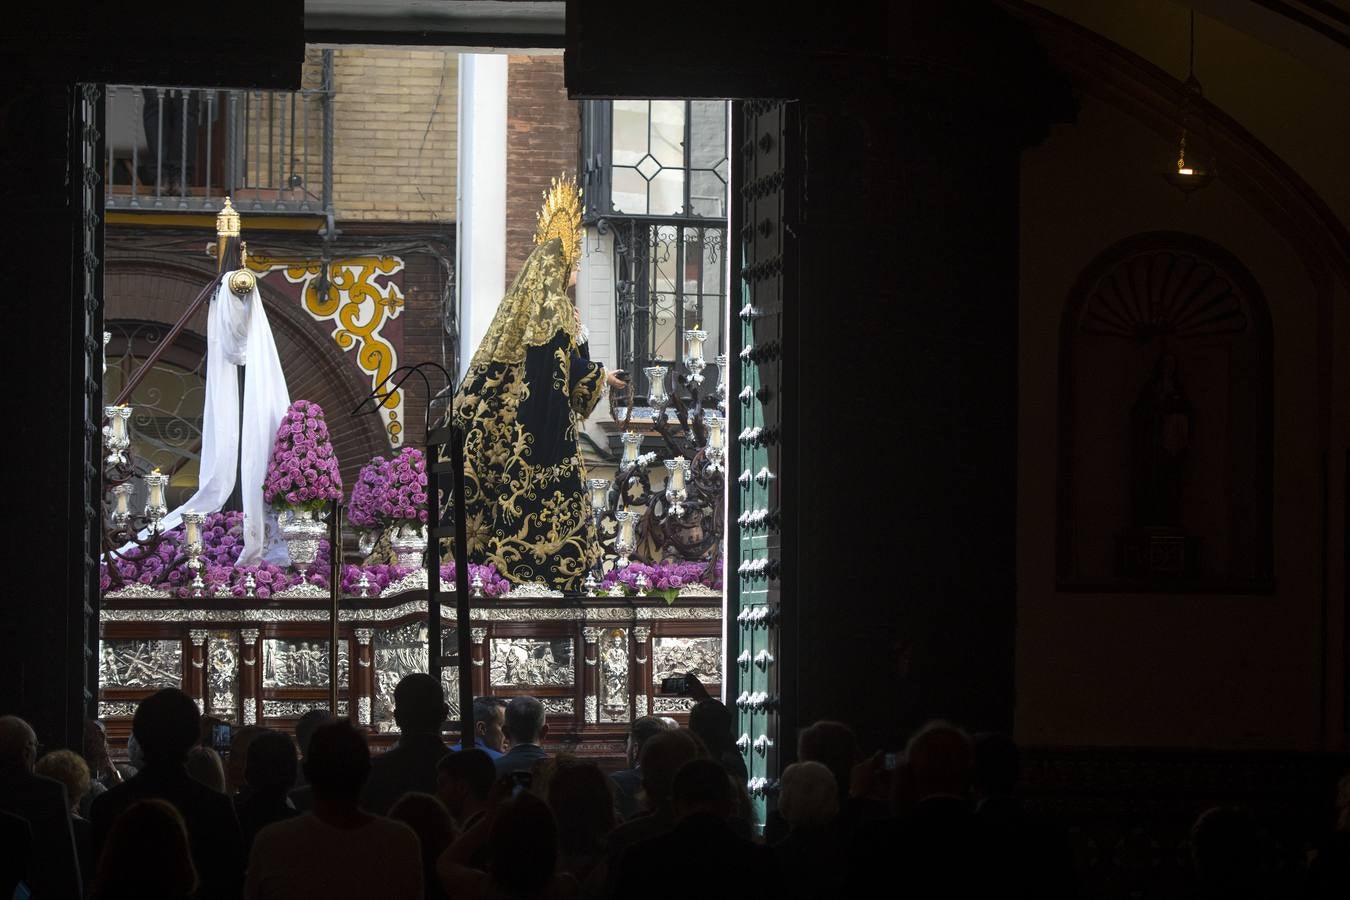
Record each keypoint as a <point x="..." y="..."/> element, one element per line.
<point x="186" y="149"/>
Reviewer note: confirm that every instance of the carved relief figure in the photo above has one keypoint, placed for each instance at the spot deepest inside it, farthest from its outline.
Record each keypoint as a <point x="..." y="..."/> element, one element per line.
<point x="523" y="661"/>
<point x="1161" y="422"/>
<point x="681" y="655"/>
<point x="615" y="671"/>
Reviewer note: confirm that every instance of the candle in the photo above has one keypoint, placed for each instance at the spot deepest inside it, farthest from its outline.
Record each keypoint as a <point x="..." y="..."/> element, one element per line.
<point x="693" y="339"/>
<point x="121" y="499"/>
<point x="192" y="522"/>
<point x="677" y="467"/>
<point x="156" y="482"/>
<point x="1184" y="170"/>
<point x="117" y="417"/>
<point x="656" y="377"/>
<point x="631" y="442"/>
<point x="599" y="493"/>
<point x="626" y="528"/>
<point x="714" y="424"/>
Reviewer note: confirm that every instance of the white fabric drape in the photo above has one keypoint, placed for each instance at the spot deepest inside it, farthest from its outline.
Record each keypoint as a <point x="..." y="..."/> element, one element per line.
<point x="238" y="334"/>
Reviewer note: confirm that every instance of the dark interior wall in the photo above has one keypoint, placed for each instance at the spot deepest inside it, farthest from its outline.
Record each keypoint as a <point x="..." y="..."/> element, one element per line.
<point x="50" y="49"/>
<point x="899" y="364"/>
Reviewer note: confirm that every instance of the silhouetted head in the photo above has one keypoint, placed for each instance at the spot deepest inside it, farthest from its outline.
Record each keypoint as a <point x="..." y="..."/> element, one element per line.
<point x="339" y="761"/>
<point x="525" y="720"/>
<point x="18" y="745"/>
<point x="834" y="745"/>
<point x="165" y="726"/>
<point x="523" y="845"/>
<point x="710" y="720"/>
<point x="69" y="768"/>
<point x="583" y="805"/>
<point x="271" y="766"/>
<point x="662" y="756"/>
<point x="205" y="767"/>
<point x="419" y="704"/>
<point x="489" y="722"/>
<point x="643" y="730"/>
<point x="702" y="786"/>
<point x="147" y="826"/>
<point x="808" y="796"/>
<point x="940" y="760"/>
<point x="310" y="722"/>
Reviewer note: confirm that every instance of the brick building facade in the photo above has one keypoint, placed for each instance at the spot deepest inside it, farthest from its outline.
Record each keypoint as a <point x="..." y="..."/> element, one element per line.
<point x="395" y="190"/>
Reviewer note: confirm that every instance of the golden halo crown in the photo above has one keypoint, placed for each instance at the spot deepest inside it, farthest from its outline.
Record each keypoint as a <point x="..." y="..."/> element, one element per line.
<point x="227" y="221"/>
<point x="561" y="218"/>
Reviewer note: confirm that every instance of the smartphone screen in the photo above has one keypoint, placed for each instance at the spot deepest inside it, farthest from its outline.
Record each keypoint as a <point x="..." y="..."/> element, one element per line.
<point x="675" y="684"/>
<point x="220" y="737"/>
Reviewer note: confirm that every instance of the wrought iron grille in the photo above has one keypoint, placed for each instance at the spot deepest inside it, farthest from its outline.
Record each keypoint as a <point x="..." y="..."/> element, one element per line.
<point x="167" y="418"/>
<point x="182" y="148"/>
<point x="669" y="277"/>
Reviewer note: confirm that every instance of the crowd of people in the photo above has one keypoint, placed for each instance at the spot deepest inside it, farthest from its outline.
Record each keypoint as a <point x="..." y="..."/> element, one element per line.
<point x="313" y="814"/>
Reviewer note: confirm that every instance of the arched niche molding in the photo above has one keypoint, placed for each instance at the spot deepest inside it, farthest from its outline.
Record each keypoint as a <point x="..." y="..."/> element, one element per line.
<point x="156" y="288"/>
<point x="1165" y="422"/>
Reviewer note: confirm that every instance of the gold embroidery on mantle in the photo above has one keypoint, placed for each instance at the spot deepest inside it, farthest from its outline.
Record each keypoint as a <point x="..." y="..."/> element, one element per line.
<point x="361" y="297"/>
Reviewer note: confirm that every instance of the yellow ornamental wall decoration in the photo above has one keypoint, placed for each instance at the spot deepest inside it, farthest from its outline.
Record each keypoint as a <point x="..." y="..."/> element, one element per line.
<point x="360" y="299"/>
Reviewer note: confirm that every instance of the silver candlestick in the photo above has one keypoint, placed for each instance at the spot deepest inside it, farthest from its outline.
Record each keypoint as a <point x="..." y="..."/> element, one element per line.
<point x="657" y="396"/>
<point x="476" y="585"/>
<point x="640" y="584"/>
<point x="625" y="542"/>
<point x="693" y="357"/>
<point x="250" y="586"/>
<point x="590" y="584"/>
<point x="155" y="509"/>
<point x="121" y="511"/>
<point x="722" y="380"/>
<point x="117" y="434"/>
<point x="192" y="527"/>
<point x="363" y="586"/>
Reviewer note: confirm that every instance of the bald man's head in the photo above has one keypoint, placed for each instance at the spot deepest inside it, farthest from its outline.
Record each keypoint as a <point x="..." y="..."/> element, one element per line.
<point x="18" y="744"/>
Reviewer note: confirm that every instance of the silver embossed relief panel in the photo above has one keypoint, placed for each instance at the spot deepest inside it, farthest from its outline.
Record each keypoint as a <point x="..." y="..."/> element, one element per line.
<point x="401" y="651"/>
<point x="613" y="686"/>
<point x="140" y="664"/>
<point x="681" y="655"/>
<point x="559" y="706"/>
<point x="300" y="663"/>
<point x="525" y="662"/>
<point x="222" y="674"/>
<point x="294" y="709"/>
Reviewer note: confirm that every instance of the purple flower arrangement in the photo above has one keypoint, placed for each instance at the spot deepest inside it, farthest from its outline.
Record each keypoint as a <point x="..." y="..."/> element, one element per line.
<point x="368" y="493"/>
<point x="665" y="579"/>
<point x="303" y="471"/>
<point x="378" y="578"/>
<point x="222" y="542"/>
<point x="390" y="492"/>
<point x="494" y="585"/>
<point x="405" y="498"/>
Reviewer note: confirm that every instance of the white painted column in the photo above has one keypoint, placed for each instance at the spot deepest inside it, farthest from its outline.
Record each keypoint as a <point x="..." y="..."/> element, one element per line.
<point x="480" y="224"/>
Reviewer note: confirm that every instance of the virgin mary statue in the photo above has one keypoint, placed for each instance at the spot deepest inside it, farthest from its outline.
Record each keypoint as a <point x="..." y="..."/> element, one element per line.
<point x="530" y="383"/>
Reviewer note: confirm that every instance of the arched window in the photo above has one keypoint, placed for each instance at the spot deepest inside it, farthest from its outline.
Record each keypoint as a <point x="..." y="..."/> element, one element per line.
<point x="1165" y="421"/>
<point x="166" y="426"/>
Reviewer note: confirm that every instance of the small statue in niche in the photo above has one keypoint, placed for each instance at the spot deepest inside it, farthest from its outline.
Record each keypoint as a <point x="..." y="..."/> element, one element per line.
<point x="1161" y="422"/>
